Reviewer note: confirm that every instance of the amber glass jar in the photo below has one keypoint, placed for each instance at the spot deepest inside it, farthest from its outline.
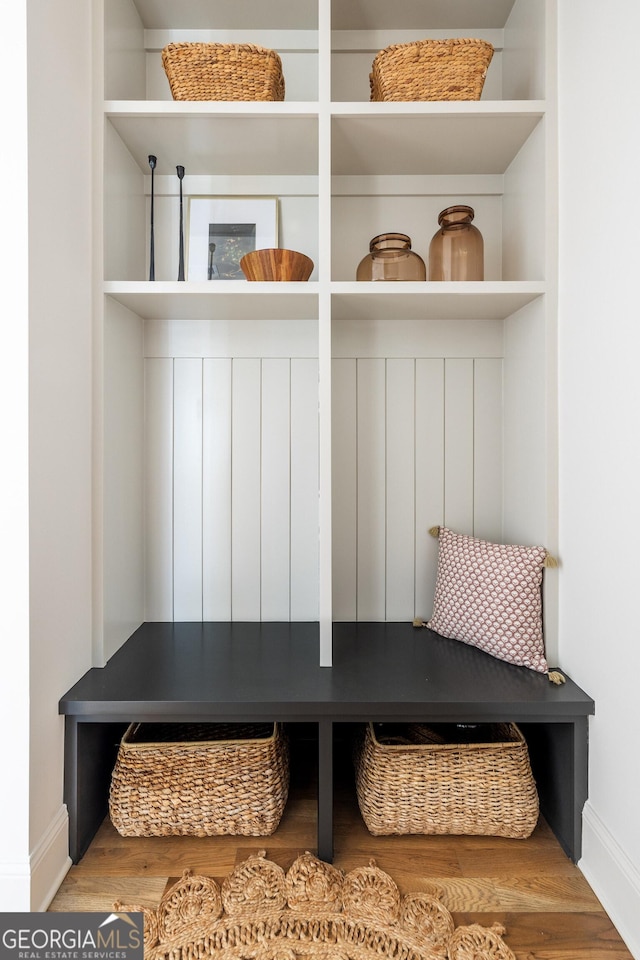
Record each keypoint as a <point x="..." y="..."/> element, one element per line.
<point x="391" y="258"/>
<point x="456" y="251"/>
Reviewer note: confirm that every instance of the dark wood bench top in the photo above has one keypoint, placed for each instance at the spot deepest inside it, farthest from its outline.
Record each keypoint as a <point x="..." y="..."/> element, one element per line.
<point x="270" y="671"/>
<point x="380" y="670"/>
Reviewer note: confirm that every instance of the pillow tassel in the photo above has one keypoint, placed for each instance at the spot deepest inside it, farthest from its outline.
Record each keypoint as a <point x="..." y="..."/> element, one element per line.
<point x="434" y="531"/>
<point x="418" y="622"/>
<point x="556" y="677"/>
<point x="550" y="562"/>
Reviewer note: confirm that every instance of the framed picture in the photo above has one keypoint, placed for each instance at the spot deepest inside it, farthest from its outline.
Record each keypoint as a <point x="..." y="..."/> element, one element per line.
<point x="222" y="229"/>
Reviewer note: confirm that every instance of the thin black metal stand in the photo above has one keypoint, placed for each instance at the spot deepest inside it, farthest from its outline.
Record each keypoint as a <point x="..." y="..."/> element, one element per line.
<point x="152" y="255"/>
<point x="180" y="172"/>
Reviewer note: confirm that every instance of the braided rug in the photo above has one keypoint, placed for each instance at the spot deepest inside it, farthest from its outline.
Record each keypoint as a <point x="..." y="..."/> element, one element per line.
<point x="313" y="911"/>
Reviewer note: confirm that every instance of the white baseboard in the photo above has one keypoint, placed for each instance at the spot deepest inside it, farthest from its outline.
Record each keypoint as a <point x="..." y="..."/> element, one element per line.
<point x="30" y="885"/>
<point x="613" y="877"/>
<point x="50" y="861"/>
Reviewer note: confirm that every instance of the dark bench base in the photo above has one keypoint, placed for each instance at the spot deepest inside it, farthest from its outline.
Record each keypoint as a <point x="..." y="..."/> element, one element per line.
<point x="270" y="671"/>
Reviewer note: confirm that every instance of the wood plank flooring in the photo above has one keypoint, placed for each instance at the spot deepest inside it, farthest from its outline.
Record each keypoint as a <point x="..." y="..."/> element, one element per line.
<point x="529" y="886"/>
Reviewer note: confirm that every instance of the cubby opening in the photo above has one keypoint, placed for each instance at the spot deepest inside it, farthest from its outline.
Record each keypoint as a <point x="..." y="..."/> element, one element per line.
<point x="137" y="30"/>
<point x="515" y="28"/>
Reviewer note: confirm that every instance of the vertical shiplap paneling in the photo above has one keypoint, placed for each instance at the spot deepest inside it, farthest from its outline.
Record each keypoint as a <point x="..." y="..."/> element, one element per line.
<point x="231" y="452"/>
<point x="158" y="454"/>
<point x="487" y="470"/>
<point x="400" y="489"/>
<point x="458" y="445"/>
<point x="371" y="465"/>
<point x="216" y="492"/>
<point x="276" y="474"/>
<point x="304" y="489"/>
<point x="187" y="489"/>
<point x="429" y="455"/>
<point x="245" y="489"/>
<point x="345" y="490"/>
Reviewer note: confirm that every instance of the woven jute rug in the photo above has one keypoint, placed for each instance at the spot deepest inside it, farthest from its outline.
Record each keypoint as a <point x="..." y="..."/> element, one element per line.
<point x="313" y="911"/>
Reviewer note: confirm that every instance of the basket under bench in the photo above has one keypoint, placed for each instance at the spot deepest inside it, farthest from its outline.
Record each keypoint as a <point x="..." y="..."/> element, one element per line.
<point x="243" y="672"/>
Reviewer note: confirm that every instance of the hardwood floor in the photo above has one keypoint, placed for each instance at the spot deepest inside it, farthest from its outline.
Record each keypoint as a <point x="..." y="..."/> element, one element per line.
<point x="529" y="886"/>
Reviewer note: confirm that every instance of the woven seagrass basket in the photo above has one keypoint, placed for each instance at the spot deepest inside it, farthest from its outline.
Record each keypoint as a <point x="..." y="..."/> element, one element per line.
<point x="199" y="779"/>
<point x="412" y="778"/>
<point x="431" y="70"/>
<point x="223" y="71"/>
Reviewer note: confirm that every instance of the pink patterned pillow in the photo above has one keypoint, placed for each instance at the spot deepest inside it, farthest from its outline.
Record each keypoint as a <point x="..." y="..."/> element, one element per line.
<point x="489" y="595"/>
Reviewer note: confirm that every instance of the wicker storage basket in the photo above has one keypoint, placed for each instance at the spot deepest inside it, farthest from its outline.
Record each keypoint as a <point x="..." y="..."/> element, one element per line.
<point x="199" y="779"/>
<point x="223" y="71"/>
<point x="431" y="70"/>
<point x="416" y="779"/>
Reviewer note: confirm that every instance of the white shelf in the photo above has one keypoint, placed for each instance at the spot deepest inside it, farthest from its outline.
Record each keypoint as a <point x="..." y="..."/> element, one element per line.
<point x="210" y="109"/>
<point x="488" y="300"/>
<point x="431" y="138"/>
<point x="367" y="138"/>
<point x="228" y="300"/>
<point x="219" y="137"/>
<point x="240" y="300"/>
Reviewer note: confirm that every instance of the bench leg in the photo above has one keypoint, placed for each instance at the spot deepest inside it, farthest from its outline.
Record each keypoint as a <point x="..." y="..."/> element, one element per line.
<point x="559" y="758"/>
<point x="325" y="790"/>
<point x="90" y="751"/>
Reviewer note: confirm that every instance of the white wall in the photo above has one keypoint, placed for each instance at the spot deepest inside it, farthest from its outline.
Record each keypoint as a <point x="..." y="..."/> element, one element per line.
<point x="599" y="399"/>
<point x="48" y="642"/>
<point x="60" y="414"/>
<point x="14" y="477"/>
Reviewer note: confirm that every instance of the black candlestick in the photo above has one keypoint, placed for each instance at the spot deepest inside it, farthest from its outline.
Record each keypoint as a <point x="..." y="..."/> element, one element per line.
<point x="152" y="256"/>
<point x="180" y="172"/>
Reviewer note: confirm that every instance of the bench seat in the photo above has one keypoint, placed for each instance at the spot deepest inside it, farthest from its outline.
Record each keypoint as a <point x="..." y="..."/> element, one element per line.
<point x="245" y="671"/>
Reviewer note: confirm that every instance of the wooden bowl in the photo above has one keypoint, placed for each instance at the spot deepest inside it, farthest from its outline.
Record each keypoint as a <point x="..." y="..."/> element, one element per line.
<point x="276" y="264"/>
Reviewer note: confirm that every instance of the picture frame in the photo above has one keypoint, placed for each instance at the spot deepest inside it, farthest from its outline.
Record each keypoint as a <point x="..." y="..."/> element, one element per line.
<point x="220" y="230"/>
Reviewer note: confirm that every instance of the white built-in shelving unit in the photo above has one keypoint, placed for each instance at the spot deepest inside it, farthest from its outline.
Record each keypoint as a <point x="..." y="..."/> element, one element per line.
<point x="279" y="451"/>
